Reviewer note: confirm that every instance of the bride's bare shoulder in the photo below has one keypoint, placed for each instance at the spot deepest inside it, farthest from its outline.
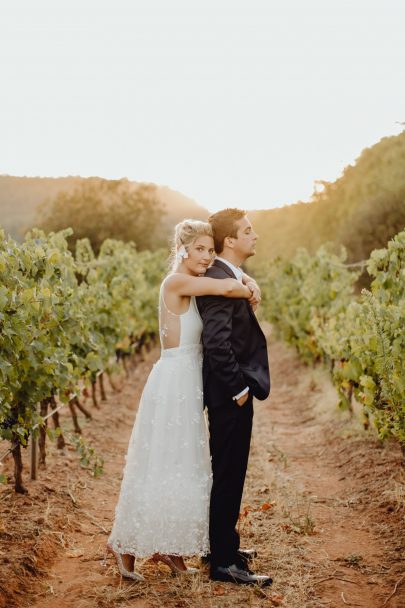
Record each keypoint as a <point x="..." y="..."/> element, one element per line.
<point x="171" y="280"/>
<point x="177" y="282"/>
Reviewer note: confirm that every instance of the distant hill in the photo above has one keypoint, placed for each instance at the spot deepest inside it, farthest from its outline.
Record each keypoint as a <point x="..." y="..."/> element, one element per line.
<point x="362" y="209"/>
<point x="21" y="197"/>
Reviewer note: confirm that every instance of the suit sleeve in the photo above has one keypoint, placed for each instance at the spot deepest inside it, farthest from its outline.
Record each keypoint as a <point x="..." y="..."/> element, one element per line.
<point x="216" y="313"/>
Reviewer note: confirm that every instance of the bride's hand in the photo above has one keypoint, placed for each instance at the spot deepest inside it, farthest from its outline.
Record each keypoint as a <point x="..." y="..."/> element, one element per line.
<point x="255" y="298"/>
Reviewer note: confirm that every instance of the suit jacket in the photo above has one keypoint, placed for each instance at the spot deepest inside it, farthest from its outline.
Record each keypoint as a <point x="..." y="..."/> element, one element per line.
<point x="234" y="346"/>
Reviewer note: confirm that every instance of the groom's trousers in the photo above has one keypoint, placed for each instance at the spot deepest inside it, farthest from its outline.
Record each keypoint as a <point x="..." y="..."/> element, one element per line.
<point x="230" y="432"/>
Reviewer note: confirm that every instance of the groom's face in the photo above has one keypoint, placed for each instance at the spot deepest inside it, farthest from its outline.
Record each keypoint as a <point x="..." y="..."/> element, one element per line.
<point x="246" y="237"/>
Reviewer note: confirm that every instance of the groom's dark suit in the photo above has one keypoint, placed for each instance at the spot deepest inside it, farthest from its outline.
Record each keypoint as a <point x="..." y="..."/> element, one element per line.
<point x="235" y="356"/>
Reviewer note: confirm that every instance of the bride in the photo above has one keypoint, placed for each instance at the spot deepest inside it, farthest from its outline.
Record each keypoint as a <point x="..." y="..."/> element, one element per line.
<point x="163" y="506"/>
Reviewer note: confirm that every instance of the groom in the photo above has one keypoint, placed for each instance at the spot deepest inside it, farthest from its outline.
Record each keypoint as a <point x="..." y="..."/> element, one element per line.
<point x="235" y="369"/>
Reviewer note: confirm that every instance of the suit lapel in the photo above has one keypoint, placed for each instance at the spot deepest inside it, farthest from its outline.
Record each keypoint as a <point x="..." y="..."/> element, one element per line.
<point x="224" y="267"/>
<point x="250" y="312"/>
<point x="229" y="272"/>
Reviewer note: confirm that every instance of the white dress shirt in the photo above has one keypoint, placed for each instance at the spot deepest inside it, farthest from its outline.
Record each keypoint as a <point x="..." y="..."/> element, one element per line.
<point x="238" y="274"/>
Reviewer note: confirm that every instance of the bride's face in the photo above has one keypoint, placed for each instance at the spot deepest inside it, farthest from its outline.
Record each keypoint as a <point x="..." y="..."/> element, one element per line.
<point x="200" y="255"/>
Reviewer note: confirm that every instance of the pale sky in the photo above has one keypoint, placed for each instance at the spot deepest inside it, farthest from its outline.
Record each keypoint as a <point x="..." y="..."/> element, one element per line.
<point x="231" y="102"/>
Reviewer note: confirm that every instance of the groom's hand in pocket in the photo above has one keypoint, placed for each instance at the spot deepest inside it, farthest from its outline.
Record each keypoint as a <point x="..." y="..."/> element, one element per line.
<point x="242" y="400"/>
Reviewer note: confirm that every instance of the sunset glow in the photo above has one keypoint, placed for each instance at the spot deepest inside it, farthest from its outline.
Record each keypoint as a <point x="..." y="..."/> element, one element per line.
<point x="243" y="102"/>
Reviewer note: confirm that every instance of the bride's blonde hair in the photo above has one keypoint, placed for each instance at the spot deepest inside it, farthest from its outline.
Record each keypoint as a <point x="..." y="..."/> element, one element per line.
<point x="185" y="233"/>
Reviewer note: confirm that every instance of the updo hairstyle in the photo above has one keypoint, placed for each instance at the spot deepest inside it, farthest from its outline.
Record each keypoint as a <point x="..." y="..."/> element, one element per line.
<point x="185" y="233"/>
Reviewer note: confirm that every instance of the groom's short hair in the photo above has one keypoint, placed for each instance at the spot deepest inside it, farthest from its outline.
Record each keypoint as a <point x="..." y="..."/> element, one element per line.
<point x="223" y="224"/>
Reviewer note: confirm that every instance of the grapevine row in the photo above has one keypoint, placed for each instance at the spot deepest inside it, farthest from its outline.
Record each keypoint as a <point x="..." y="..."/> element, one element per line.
<point x="311" y="301"/>
<point x="62" y="319"/>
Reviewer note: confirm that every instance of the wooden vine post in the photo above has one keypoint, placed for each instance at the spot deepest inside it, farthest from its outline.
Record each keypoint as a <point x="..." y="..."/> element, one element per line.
<point x="34" y="456"/>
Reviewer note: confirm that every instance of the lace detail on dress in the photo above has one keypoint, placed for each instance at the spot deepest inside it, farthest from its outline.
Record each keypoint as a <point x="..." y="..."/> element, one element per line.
<point x="165" y="492"/>
<point x="177" y="330"/>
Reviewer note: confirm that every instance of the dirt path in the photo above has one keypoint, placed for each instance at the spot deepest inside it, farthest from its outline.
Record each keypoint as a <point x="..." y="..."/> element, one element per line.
<point x="333" y="485"/>
<point x="324" y="506"/>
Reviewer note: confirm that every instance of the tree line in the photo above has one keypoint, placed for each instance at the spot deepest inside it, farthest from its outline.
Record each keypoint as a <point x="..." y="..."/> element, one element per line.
<point x="362" y="210"/>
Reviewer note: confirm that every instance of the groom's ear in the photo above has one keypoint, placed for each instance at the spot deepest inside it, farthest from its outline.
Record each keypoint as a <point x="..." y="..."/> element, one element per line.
<point x="229" y="242"/>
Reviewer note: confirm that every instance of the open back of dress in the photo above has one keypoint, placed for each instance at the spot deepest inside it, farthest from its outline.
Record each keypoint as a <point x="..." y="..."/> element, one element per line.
<point x="178" y="330"/>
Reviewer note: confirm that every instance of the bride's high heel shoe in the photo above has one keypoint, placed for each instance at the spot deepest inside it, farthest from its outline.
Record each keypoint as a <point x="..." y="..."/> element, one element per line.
<point x="166" y="559"/>
<point x="136" y="576"/>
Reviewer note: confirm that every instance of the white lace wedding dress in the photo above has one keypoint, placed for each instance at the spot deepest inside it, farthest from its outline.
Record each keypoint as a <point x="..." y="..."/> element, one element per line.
<point x="163" y="504"/>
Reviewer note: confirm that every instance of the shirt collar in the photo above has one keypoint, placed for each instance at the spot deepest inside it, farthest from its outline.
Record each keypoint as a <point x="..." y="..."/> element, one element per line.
<point x="236" y="271"/>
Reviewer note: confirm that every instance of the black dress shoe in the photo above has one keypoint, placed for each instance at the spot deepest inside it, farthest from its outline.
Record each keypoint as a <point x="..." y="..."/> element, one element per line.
<point x="235" y="574"/>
